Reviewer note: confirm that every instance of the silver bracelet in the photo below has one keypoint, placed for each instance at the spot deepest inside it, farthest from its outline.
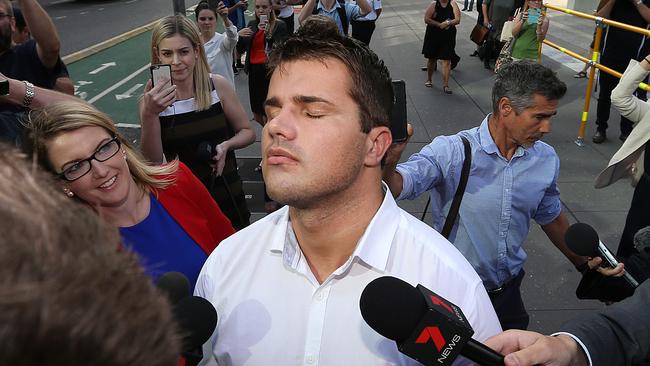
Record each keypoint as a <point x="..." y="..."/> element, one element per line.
<point x="29" y="93"/>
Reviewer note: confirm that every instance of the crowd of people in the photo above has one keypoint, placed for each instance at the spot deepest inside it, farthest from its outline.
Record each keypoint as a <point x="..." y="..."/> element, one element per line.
<point x="176" y="202"/>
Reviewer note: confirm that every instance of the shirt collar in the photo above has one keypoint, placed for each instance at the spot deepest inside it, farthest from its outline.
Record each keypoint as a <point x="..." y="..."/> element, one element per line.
<point x="373" y="247"/>
<point x="487" y="142"/>
<point x="336" y="6"/>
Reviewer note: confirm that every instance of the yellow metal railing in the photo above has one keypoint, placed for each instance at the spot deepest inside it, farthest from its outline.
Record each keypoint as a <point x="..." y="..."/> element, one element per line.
<point x="601" y="23"/>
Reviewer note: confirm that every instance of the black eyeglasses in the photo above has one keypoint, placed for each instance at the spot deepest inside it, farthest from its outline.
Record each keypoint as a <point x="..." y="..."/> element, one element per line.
<point x="81" y="168"/>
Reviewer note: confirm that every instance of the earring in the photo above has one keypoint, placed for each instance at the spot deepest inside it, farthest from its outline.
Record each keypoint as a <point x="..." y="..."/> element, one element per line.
<point x="124" y="153"/>
<point x="68" y="192"/>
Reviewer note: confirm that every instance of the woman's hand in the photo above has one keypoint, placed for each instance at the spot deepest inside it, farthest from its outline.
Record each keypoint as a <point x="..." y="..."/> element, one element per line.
<point x="444" y="25"/>
<point x="220" y="158"/>
<point x="246" y="32"/>
<point x="157" y="98"/>
<point x="222" y="10"/>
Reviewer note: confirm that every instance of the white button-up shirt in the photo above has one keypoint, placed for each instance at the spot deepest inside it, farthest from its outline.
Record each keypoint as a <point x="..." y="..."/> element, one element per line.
<point x="273" y="311"/>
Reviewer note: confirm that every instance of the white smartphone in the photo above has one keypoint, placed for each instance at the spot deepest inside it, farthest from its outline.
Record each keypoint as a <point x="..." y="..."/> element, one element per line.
<point x="161" y="73"/>
<point x="264" y="21"/>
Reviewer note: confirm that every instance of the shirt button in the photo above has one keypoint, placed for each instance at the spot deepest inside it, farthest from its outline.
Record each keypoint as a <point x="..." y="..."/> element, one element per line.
<point x="319" y="296"/>
<point x="310" y="359"/>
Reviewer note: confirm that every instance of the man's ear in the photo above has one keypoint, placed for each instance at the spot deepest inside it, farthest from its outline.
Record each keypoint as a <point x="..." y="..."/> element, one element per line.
<point x="505" y="107"/>
<point x="378" y="142"/>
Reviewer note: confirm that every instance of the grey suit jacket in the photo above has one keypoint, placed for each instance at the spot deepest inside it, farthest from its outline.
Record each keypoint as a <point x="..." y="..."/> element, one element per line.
<point x="628" y="160"/>
<point x="619" y="334"/>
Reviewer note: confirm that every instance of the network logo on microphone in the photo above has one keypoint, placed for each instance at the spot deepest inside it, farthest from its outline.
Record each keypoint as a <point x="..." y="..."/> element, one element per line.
<point x="432" y="333"/>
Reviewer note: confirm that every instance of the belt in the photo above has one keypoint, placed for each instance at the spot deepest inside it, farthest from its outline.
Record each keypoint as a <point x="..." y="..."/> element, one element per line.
<point x="505" y="285"/>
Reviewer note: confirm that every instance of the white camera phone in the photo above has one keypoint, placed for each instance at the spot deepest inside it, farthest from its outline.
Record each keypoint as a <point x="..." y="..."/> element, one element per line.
<point x="161" y="73"/>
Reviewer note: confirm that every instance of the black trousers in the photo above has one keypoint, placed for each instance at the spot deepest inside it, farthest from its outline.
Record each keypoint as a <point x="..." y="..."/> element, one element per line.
<point x="363" y="30"/>
<point x="638" y="216"/>
<point x="509" y="305"/>
<point x="607" y="83"/>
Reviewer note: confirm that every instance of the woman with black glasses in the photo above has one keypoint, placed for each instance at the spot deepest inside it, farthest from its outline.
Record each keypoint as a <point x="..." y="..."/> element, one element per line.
<point x="163" y="212"/>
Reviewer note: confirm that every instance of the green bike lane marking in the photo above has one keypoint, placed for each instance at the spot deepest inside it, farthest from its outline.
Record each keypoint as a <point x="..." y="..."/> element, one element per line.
<point x="113" y="79"/>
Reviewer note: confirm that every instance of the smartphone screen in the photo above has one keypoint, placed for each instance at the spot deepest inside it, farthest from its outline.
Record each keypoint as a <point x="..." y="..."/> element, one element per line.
<point x="160" y="73"/>
<point x="533" y="15"/>
<point x="398" y="117"/>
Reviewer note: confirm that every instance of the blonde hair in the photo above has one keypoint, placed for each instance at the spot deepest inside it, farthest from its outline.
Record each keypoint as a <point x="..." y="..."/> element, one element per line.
<point x="61" y="117"/>
<point x="179" y="25"/>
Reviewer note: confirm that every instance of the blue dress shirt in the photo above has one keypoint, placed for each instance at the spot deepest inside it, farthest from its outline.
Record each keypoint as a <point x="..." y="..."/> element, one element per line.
<point x="351" y="11"/>
<point x="500" y="199"/>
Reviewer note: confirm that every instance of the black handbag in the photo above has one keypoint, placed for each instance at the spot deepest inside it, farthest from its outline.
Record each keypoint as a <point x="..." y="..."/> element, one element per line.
<point x="460" y="191"/>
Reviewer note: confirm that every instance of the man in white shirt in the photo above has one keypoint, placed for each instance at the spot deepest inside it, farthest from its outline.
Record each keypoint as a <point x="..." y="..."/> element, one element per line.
<point x="287" y="288"/>
<point x="218" y="47"/>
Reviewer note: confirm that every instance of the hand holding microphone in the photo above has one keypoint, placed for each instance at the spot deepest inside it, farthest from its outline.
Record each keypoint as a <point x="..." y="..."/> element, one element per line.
<point x="583" y="240"/>
<point x="425" y="326"/>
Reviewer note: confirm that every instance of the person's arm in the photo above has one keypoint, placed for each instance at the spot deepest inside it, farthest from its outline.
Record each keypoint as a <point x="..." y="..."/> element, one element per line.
<point x="43" y="31"/>
<point x="429" y="14"/>
<point x="519" y="22"/>
<point x="42" y="97"/>
<point x="623" y="99"/>
<point x="606" y="10"/>
<point x="307" y="10"/>
<point x="154" y="101"/>
<point x="529" y="348"/>
<point x="378" y="8"/>
<point x="456" y="19"/>
<point x="230" y="31"/>
<point x="555" y="231"/>
<point x="542" y="28"/>
<point x="364" y="7"/>
<point x="64" y="85"/>
<point x="239" y="4"/>
<point x="486" y="19"/>
<point x="643" y="9"/>
<point x="237" y="119"/>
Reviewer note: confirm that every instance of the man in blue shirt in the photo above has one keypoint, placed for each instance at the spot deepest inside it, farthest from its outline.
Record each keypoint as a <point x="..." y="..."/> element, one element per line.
<point x="330" y="8"/>
<point x="513" y="179"/>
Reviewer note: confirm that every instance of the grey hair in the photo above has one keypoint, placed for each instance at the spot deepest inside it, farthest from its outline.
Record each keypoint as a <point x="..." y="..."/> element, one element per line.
<point x="520" y="81"/>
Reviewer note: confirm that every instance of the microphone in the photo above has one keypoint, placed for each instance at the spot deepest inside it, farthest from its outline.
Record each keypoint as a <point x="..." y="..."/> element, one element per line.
<point x="174" y="285"/>
<point x="205" y="151"/>
<point x="642" y="240"/>
<point x="583" y="240"/>
<point x="416" y="317"/>
<point x="197" y="320"/>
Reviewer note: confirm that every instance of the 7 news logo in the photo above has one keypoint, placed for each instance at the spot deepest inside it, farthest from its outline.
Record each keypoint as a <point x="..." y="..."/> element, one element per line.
<point x="433" y="333"/>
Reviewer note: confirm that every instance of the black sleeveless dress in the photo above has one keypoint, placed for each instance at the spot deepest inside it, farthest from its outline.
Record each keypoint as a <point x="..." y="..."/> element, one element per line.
<point x="183" y="130"/>
<point x="440" y="43"/>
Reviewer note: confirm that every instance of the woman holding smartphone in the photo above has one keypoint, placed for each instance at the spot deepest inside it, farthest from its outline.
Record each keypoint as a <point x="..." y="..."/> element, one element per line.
<point x="197" y="117"/>
<point x="259" y="37"/>
<point x="163" y="212"/>
<point x="529" y="31"/>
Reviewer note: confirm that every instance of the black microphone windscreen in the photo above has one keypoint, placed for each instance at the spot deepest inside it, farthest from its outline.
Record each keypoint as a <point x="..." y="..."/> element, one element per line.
<point x="174" y="285"/>
<point x="642" y="240"/>
<point x="392" y="307"/>
<point x="197" y="319"/>
<point x="582" y="239"/>
<point x="204" y="151"/>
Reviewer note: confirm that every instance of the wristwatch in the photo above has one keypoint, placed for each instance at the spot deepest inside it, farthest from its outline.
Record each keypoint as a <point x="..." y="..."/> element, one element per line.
<point x="29" y="93"/>
<point x="4" y="86"/>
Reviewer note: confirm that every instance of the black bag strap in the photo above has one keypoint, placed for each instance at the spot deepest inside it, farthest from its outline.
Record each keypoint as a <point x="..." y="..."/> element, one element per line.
<point x="460" y="190"/>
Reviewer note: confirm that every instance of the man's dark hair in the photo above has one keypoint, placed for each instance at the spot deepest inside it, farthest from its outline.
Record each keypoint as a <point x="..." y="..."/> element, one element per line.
<point x="520" y="81"/>
<point x="370" y="84"/>
<point x="68" y="294"/>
